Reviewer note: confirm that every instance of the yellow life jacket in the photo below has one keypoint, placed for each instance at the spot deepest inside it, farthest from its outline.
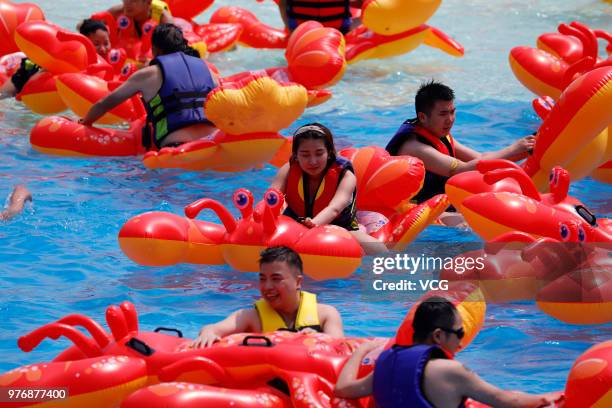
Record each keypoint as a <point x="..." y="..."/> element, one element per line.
<point x="307" y="316"/>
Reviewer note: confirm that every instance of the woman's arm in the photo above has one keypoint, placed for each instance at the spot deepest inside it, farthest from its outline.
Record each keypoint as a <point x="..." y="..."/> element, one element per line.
<point x="129" y="88"/>
<point x="341" y="199"/>
<point x="280" y="180"/>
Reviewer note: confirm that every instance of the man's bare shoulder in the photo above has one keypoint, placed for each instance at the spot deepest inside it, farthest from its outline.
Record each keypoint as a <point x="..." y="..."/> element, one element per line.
<point x="445" y="368"/>
<point x="413" y="146"/>
<point x="326" y="311"/>
<point x="250" y="318"/>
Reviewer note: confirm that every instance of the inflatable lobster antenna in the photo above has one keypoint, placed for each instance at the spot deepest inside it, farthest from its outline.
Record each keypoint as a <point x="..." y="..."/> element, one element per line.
<point x="193" y="209"/>
<point x="54" y="331"/>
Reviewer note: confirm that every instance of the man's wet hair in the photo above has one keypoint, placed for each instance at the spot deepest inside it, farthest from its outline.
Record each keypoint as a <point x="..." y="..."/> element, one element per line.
<point x="433" y="313"/>
<point x="90" y="26"/>
<point x="282" y="254"/>
<point x="429" y="93"/>
<point x="169" y="38"/>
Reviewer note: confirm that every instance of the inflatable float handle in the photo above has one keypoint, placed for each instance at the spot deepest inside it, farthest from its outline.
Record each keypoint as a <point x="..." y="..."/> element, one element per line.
<point x="173" y="371"/>
<point x="94" y="328"/>
<point x="527" y="186"/>
<point x="193" y="209"/>
<point x="179" y="333"/>
<point x="266" y="341"/>
<point x="54" y="330"/>
<point x="92" y="55"/>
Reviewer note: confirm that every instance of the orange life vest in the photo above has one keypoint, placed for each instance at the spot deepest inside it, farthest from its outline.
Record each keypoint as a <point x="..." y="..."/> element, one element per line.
<point x="297" y="193"/>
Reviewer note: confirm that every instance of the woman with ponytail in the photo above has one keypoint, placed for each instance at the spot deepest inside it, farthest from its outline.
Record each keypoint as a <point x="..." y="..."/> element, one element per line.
<point x="173" y="88"/>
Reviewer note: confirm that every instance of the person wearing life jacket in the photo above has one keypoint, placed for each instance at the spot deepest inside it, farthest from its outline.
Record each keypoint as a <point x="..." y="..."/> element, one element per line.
<point x="173" y="88"/>
<point x="428" y="137"/>
<point x="94" y="30"/>
<point x="425" y="375"/>
<point x="134" y="20"/>
<point x="320" y="187"/>
<point x="283" y="304"/>
<point x="330" y="13"/>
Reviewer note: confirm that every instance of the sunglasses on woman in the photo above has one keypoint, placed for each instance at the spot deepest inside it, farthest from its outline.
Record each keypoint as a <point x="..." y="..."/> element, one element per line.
<point x="460" y="333"/>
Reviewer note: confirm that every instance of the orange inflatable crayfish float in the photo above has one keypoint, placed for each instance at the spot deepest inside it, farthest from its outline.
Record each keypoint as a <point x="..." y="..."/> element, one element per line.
<point x="102" y="369"/>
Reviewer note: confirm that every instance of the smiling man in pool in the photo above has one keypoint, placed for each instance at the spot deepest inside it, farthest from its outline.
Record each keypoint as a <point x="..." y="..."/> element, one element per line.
<point x="283" y="305"/>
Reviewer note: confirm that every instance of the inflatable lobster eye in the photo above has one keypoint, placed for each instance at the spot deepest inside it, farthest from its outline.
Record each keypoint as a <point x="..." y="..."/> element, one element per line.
<point x="273" y="198"/>
<point x="564" y="232"/>
<point x="243" y="199"/>
<point x="123" y="22"/>
<point x="147" y="28"/>
<point x="114" y="56"/>
<point x="581" y="234"/>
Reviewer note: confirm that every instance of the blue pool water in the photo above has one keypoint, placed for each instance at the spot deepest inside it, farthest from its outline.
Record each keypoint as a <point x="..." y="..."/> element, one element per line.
<point x="61" y="256"/>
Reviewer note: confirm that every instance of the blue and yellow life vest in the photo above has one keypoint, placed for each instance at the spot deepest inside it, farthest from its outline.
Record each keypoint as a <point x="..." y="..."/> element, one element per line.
<point x="307" y="315"/>
<point x="180" y="100"/>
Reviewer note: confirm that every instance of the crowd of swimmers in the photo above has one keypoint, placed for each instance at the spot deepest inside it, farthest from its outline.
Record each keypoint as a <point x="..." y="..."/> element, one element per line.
<point x="173" y="87"/>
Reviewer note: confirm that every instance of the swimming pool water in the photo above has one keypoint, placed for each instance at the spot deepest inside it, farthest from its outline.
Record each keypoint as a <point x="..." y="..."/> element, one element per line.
<point x="61" y="256"/>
